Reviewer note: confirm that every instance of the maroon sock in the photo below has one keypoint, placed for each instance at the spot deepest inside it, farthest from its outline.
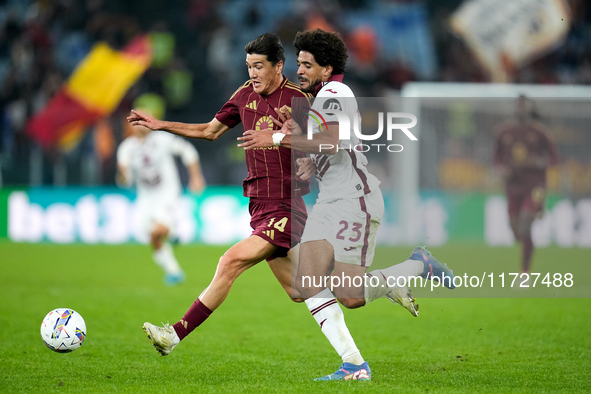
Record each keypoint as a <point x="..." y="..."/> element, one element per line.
<point x="527" y="249"/>
<point x="196" y="315"/>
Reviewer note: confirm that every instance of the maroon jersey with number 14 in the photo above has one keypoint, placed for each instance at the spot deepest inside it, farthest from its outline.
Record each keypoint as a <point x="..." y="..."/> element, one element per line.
<point x="271" y="171"/>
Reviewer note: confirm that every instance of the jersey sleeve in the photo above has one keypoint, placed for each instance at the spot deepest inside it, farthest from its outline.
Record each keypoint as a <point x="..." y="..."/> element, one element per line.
<point x="229" y="114"/>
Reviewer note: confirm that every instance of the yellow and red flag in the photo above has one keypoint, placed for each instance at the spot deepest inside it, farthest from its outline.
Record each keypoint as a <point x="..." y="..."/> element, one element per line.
<point x="93" y="91"/>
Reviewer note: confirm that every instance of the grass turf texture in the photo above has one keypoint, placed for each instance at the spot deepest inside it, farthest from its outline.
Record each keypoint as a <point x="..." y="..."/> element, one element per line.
<point x="260" y="341"/>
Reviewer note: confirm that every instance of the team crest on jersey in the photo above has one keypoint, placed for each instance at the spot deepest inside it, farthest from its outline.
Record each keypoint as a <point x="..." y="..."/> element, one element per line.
<point x="263" y="123"/>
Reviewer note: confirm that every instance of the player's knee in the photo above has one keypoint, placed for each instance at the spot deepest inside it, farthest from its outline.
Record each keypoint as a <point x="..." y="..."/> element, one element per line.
<point x="298" y="284"/>
<point x="523" y="231"/>
<point x="352" y="303"/>
<point x="231" y="266"/>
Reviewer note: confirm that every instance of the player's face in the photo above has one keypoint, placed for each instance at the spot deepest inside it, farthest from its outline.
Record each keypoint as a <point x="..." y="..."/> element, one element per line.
<point x="265" y="76"/>
<point x="310" y="73"/>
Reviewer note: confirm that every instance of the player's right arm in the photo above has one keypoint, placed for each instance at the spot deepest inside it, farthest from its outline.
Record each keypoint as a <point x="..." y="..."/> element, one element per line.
<point x="207" y="131"/>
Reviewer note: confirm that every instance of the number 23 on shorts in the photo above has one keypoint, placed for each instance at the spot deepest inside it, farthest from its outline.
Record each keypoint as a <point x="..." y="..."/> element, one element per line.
<point x="355" y="228"/>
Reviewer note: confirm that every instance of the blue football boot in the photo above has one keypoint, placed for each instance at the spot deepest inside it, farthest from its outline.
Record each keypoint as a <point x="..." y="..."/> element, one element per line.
<point x="433" y="269"/>
<point x="174" y="279"/>
<point x="348" y="371"/>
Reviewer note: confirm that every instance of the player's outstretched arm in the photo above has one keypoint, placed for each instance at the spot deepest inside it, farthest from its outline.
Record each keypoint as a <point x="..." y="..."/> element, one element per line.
<point x="208" y="131"/>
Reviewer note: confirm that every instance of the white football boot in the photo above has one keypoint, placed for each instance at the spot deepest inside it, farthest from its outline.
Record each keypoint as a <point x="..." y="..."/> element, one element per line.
<point x="402" y="296"/>
<point x="164" y="338"/>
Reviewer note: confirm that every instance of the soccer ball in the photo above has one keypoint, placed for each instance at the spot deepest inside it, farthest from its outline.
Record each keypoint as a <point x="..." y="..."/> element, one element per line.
<point x="63" y="330"/>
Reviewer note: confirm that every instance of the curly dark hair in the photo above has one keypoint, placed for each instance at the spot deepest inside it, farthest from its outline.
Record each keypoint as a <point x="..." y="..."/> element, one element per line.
<point x="326" y="47"/>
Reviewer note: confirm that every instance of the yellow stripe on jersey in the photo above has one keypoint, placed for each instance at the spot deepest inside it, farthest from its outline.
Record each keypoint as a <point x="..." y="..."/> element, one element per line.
<point x="245" y="85"/>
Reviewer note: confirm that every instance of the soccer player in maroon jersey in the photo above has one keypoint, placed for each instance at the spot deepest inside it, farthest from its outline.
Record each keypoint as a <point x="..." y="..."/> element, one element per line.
<point x="523" y="153"/>
<point x="278" y="213"/>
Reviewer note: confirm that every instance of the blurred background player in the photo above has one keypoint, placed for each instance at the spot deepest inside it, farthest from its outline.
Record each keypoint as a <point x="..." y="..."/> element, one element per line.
<point x="146" y="159"/>
<point x="523" y="153"/>
<point x="278" y="212"/>
<point x="340" y="234"/>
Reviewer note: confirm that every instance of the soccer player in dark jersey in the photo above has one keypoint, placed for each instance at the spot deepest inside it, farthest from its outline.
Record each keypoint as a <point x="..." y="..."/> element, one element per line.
<point x="523" y="153"/>
<point x="278" y="213"/>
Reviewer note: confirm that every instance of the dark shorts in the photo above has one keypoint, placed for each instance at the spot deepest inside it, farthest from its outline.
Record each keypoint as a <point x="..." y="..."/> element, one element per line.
<point x="531" y="200"/>
<point x="280" y="222"/>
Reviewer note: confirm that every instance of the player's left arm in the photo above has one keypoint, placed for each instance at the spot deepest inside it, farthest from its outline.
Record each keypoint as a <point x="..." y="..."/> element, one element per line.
<point x="550" y="156"/>
<point x="196" y="179"/>
<point x="123" y="177"/>
<point x="190" y="158"/>
<point x="553" y="157"/>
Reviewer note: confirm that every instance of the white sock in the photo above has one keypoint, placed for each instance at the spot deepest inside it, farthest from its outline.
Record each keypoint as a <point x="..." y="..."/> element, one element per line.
<point x="407" y="269"/>
<point x="329" y="316"/>
<point x="165" y="259"/>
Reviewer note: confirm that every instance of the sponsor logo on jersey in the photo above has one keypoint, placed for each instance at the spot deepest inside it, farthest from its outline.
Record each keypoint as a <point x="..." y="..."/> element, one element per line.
<point x="269" y="233"/>
<point x="332" y="104"/>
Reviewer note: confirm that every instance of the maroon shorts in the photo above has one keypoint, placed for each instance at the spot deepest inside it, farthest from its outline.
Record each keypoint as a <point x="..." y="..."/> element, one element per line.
<point x="531" y="200"/>
<point x="280" y="222"/>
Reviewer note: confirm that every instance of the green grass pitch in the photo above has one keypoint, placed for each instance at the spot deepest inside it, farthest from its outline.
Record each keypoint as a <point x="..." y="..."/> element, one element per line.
<point x="260" y="341"/>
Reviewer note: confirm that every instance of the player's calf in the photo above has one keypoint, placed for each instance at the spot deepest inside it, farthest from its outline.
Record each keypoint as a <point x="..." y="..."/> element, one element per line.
<point x="351" y="303"/>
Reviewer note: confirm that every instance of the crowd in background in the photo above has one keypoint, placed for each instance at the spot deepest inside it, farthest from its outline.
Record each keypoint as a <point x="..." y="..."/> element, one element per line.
<point x="199" y="62"/>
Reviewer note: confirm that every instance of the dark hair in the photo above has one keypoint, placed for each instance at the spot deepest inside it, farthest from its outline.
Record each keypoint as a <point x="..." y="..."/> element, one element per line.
<point x="326" y="47"/>
<point x="268" y="44"/>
